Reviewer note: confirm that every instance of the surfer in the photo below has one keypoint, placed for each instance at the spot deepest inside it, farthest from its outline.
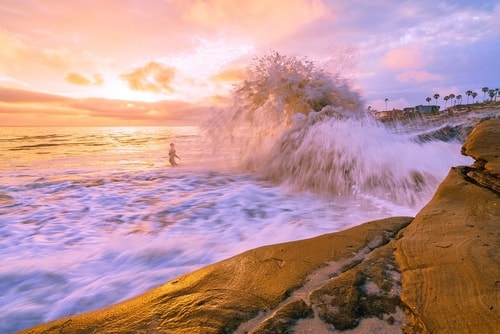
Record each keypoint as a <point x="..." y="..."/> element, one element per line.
<point x="172" y="155"/>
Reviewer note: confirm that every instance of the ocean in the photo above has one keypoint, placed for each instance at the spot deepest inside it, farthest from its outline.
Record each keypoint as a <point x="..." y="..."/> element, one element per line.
<point x="92" y="216"/>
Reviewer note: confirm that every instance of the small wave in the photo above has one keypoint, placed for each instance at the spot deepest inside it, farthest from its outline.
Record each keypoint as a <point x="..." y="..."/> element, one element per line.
<point x="447" y="133"/>
<point x="28" y="138"/>
<point x="35" y="146"/>
<point x="5" y="198"/>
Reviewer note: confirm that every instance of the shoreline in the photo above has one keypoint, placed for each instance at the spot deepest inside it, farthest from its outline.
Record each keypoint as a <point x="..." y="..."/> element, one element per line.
<point x="398" y="115"/>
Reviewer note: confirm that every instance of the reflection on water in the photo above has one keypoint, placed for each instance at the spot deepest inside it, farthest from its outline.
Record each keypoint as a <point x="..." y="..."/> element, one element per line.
<point x="87" y="147"/>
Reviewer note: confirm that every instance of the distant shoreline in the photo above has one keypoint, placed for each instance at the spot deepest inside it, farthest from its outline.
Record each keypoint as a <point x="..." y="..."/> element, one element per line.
<point x="402" y="115"/>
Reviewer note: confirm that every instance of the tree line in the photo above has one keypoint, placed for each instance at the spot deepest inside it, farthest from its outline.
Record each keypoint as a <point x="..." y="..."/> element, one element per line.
<point x="492" y="93"/>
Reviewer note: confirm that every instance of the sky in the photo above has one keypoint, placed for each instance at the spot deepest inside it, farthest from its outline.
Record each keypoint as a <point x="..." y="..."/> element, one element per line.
<point x="166" y="62"/>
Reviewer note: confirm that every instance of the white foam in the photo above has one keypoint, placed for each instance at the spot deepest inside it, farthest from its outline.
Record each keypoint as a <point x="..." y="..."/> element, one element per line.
<point x="72" y="246"/>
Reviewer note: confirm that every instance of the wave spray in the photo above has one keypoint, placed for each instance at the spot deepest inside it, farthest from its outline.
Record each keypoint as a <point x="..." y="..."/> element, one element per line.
<point x="292" y="123"/>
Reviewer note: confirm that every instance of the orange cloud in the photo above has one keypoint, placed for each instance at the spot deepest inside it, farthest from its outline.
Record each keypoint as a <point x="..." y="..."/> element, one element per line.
<point x="98" y="79"/>
<point x="404" y="58"/>
<point x="152" y="112"/>
<point x="11" y="47"/>
<point x="418" y="76"/>
<point x="230" y="74"/>
<point x="153" y="77"/>
<point x="13" y="95"/>
<point x="78" y="79"/>
<point x="27" y="108"/>
<point x="25" y="61"/>
<point x="14" y="51"/>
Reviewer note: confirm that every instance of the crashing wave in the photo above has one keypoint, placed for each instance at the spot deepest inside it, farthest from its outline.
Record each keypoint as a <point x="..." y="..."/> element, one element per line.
<point x="295" y="124"/>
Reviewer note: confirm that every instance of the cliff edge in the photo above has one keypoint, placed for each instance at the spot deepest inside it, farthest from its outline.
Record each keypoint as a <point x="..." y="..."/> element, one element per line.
<point x="449" y="255"/>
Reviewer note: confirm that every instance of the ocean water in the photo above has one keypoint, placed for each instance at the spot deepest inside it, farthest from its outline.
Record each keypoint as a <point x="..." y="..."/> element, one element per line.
<point x="93" y="216"/>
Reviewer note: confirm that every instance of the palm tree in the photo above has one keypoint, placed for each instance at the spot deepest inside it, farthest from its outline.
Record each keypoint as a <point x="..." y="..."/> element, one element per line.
<point x="468" y="93"/>
<point x="459" y="98"/>
<point x="446" y="98"/>
<point x="436" y="96"/>
<point x="428" y="99"/>
<point x="492" y="94"/>
<point x="474" y="94"/>
<point x="386" y="100"/>
<point x="485" y="90"/>
<point x="452" y="96"/>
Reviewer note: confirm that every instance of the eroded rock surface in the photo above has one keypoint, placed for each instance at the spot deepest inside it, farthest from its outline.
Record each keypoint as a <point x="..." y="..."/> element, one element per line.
<point x="449" y="255"/>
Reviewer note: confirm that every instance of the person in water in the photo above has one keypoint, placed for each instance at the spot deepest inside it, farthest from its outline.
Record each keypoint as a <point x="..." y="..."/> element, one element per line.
<point x="172" y="155"/>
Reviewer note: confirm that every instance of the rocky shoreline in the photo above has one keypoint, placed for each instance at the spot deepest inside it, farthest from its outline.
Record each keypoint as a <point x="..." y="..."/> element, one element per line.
<point x="436" y="273"/>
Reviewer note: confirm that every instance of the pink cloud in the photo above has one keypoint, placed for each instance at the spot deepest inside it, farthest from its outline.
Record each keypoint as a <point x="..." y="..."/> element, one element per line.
<point x="418" y="76"/>
<point x="252" y="18"/>
<point x="13" y="95"/>
<point x="15" y="51"/>
<point x="404" y="58"/>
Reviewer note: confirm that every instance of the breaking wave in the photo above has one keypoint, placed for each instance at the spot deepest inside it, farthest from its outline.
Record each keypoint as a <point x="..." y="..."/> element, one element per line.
<point x="293" y="123"/>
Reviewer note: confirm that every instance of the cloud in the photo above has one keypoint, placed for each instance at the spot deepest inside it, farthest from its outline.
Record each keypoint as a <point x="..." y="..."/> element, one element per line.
<point x="153" y="112"/>
<point x="24" y="108"/>
<point x="257" y="19"/>
<point x="78" y="79"/>
<point x="11" y="46"/>
<point x="418" y="76"/>
<point x="230" y="74"/>
<point x="13" y="95"/>
<point x="153" y="77"/>
<point x="400" y="42"/>
<point x="14" y="51"/>
<point x="22" y="60"/>
<point x="403" y="58"/>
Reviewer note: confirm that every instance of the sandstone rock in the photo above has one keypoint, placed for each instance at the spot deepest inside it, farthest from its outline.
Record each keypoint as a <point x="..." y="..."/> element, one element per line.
<point x="449" y="255"/>
<point x="483" y="145"/>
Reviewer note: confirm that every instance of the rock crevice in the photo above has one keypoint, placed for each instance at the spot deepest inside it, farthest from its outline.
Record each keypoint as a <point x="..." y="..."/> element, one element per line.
<point x="311" y="300"/>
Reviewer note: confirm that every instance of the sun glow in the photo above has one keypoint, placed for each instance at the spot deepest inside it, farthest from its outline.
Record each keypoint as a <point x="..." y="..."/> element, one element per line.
<point x="117" y="89"/>
<point x="191" y="77"/>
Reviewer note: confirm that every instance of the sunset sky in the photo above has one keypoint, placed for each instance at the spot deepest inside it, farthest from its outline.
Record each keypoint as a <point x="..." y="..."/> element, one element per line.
<point x="155" y="62"/>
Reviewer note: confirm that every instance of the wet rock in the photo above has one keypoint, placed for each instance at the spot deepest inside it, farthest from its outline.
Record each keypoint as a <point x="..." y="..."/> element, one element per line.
<point x="285" y="318"/>
<point x="448" y="255"/>
<point x="368" y="290"/>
